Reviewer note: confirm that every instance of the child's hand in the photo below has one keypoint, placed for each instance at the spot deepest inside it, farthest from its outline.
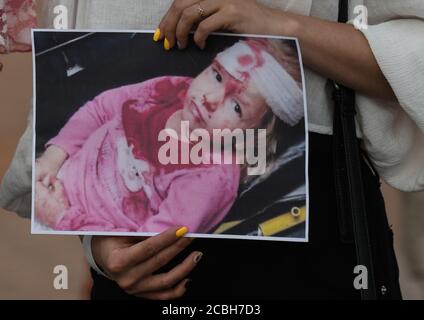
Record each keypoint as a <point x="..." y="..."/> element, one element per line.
<point x="49" y="164"/>
<point x="51" y="202"/>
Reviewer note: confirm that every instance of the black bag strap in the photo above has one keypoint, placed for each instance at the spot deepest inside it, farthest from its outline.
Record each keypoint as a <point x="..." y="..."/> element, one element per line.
<point x="348" y="179"/>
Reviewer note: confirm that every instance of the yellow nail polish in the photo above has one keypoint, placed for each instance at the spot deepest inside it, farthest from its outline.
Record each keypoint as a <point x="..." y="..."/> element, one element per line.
<point x="181" y="232"/>
<point x="156" y="36"/>
<point x="166" y="45"/>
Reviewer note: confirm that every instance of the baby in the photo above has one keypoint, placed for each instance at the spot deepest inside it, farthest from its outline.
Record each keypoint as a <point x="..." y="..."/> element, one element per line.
<point x="102" y="171"/>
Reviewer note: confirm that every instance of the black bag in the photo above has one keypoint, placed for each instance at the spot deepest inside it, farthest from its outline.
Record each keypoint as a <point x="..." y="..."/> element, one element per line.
<point x="352" y="216"/>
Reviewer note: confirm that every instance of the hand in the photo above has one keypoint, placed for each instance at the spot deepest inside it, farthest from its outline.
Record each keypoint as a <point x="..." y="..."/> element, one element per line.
<point x="239" y="16"/>
<point x="48" y="165"/>
<point x="131" y="263"/>
<point x="50" y="203"/>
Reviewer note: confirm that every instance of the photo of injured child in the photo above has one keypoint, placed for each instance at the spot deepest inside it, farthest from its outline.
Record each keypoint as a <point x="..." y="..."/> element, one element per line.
<point x="141" y="157"/>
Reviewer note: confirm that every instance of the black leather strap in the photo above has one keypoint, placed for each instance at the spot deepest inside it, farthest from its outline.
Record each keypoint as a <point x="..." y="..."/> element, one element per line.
<point x="348" y="179"/>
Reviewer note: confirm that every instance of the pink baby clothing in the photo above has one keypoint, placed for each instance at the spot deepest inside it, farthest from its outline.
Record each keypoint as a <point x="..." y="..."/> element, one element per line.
<point x="113" y="178"/>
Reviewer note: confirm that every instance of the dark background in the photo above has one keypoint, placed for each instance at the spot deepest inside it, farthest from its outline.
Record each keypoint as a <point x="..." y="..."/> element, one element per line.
<point x="112" y="60"/>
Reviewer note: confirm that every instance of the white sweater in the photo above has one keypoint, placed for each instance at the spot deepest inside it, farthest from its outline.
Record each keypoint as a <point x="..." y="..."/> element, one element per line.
<point x="393" y="134"/>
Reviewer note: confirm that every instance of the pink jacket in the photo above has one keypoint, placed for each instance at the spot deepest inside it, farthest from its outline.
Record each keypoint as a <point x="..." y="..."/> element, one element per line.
<point x="113" y="179"/>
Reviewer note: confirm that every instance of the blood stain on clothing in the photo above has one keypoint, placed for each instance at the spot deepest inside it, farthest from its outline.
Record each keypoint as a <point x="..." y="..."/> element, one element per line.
<point x="167" y="98"/>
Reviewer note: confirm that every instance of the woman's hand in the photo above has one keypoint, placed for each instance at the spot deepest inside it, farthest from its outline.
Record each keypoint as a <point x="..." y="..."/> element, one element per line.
<point x="131" y="263"/>
<point x="49" y="164"/>
<point x="334" y="50"/>
<point x="239" y="16"/>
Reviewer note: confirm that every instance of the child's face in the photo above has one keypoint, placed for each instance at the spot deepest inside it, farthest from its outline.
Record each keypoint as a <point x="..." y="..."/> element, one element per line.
<point x="216" y="100"/>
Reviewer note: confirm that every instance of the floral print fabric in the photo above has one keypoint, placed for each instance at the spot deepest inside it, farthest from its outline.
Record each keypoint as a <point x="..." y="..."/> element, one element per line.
<point x="17" y="17"/>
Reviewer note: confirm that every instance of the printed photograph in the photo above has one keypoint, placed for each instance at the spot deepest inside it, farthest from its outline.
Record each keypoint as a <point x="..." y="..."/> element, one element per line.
<point x="131" y="139"/>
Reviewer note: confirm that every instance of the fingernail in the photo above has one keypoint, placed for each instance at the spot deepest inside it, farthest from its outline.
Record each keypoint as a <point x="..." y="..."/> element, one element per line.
<point x="167" y="45"/>
<point x="156" y="36"/>
<point x="197" y="258"/>
<point x="180" y="46"/>
<point x="181" y="232"/>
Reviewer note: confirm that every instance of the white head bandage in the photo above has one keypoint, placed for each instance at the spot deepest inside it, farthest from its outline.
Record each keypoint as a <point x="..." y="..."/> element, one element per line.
<point x="274" y="83"/>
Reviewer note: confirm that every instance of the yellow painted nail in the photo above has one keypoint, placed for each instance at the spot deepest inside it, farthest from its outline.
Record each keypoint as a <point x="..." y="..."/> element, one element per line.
<point x="181" y="232"/>
<point x="166" y="45"/>
<point x="156" y="36"/>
